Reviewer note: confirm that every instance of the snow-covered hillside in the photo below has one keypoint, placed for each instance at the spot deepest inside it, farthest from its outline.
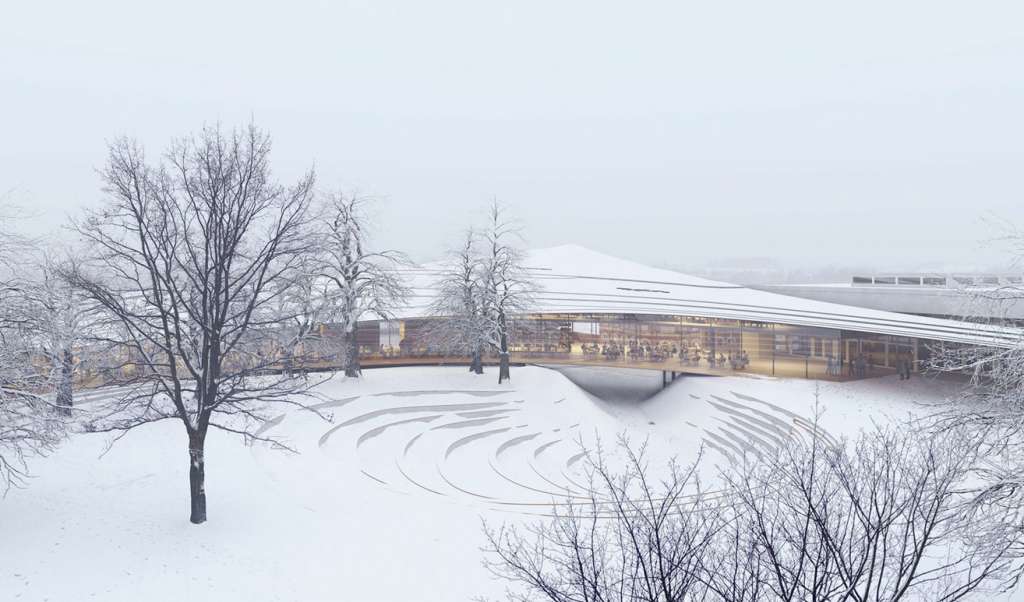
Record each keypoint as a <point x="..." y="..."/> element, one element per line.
<point x="385" y="501"/>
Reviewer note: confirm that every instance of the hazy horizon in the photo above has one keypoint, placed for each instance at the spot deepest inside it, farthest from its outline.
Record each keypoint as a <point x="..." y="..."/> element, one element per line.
<point x="876" y="135"/>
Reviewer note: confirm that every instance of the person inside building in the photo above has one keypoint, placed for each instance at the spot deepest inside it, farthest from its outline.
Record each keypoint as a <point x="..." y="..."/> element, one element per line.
<point x="903" y="367"/>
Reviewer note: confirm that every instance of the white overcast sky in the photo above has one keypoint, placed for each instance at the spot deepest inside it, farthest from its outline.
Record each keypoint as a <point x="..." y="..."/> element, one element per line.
<point x="666" y="132"/>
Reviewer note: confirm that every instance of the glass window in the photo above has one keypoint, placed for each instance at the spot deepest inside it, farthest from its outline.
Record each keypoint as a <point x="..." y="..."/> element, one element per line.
<point x="390" y="334"/>
<point x="593" y="328"/>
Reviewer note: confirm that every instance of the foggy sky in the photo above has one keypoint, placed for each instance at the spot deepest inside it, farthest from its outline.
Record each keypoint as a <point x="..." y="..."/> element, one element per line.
<point x="674" y="133"/>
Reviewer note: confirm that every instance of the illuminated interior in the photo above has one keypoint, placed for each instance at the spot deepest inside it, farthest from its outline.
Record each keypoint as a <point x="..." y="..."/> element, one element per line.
<point x="684" y="344"/>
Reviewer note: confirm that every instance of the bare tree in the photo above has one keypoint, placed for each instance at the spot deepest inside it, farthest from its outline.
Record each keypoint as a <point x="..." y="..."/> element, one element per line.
<point x="881" y="519"/>
<point x="29" y="424"/>
<point x="991" y="404"/>
<point x="365" y="282"/>
<point x="461" y="325"/>
<point x="506" y="285"/>
<point x="58" y="318"/>
<point x="308" y="303"/>
<point x="183" y="262"/>
<point x="635" y="537"/>
<point x="481" y="289"/>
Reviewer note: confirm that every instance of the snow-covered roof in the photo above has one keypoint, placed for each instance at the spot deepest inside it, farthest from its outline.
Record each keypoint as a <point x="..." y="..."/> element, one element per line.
<point x="574" y="279"/>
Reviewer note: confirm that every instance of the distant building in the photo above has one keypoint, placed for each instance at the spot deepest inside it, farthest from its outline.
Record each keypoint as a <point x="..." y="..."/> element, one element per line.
<point x="997" y="297"/>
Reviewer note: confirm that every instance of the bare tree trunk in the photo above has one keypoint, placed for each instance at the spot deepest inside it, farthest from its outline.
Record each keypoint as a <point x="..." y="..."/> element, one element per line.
<point x="476" y="366"/>
<point x="197" y="476"/>
<point x="503" y="371"/>
<point x="352" y="368"/>
<point x="65" y="391"/>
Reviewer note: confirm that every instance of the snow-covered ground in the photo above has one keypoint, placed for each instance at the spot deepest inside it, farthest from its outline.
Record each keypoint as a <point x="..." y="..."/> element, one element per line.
<point x="385" y="501"/>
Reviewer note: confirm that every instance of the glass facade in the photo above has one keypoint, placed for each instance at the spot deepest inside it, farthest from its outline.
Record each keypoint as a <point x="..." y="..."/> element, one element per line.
<point x="687" y="344"/>
<point x="677" y="343"/>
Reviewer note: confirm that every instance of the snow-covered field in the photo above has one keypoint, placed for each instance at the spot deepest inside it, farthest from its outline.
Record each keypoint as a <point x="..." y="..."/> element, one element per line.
<point x="385" y="501"/>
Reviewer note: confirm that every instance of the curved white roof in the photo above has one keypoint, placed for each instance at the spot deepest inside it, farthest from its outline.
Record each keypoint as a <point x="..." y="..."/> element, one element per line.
<point x="573" y="279"/>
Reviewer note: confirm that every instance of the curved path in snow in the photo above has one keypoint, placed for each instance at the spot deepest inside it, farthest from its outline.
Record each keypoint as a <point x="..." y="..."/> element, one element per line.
<point x="512" y="448"/>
